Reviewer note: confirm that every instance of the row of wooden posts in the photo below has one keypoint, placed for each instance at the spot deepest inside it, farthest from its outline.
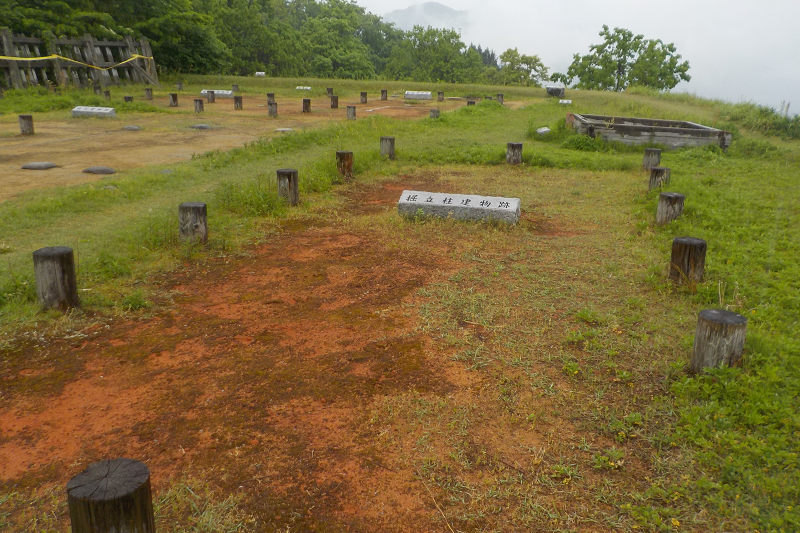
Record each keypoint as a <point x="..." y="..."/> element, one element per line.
<point x="720" y="335"/>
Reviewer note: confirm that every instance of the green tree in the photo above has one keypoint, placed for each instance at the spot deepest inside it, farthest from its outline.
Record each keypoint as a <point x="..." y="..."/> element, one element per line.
<point x="431" y="54"/>
<point x="521" y="69"/>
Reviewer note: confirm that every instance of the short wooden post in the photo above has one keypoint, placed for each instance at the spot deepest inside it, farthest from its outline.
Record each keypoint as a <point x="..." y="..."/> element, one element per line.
<point x="719" y="339"/>
<point x="270" y="98"/>
<point x="363" y="97"/>
<point x="652" y="158"/>
<point x="148" y="93"/>
<point x="434" y="113"/>
<point x="235" y="88"/>
<point x="306" y="105"/>
<point x="173" y="99"/>
<point x="237" y="103"/>
<point x="193" y="222"/>
<point x="440" y="96"/>
<point x="198" y="105"/>
<point x="128" y="99"/>
<point x="212" y="98"/>
<point x="514" y="153"/>
<point x="26" y="124"/>
<point x="387" y="147"/>
<point x="330" y="91"/>
<point x="351" y="112"/>
<point x="179" y="85"/>
<point x="98" y="90"/>
<point x="670" y="207"/>
<point x="470" y="102"/>
<point x="273" y="109"/>
<point x="288" y="186"/>
<point x="344" y="164"/>
<point x="334" y="102"/>
<point x="688" y="262"/>
<point x="659" y="176"/>
<point x="500" y="98"/>
<point x="107" y="95"/>
<point x="111" y="496"/>
<point x="384" y="95"/>
<point x="54" y="270"/>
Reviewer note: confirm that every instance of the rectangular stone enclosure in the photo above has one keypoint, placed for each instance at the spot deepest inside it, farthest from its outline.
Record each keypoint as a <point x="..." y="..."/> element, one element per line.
<point x="418" y="95"/>
<point x="459" y="206"/>
<point x="634" y="131"/>
<point x="217" y="94"/>
<point x="89" y="111"/>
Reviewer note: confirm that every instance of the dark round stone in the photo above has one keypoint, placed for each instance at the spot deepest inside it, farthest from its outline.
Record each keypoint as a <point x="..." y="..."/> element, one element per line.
<point x="132" y="128"/>
<point x="39" y="165"/>
<point x="99" y="170"/>
<point x="200" y="127"/>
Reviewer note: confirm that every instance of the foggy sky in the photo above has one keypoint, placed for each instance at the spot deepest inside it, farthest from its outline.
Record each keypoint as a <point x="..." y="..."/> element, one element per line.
<point x="738" y="50"/>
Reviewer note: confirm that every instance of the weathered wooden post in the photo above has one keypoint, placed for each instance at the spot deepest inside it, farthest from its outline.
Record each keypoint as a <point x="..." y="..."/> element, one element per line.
<point x="111" y="496"/>
<point x="500" y="98"/>
<point x="270" y="98"/>
<point x="659" y="176"/>
<point x="344" y="164"/>
<point x="688" y="261"/>
<point x="440" y="97"/>
<point x="334" y="102"/>
<point x="288" y="186"/>
<point x="173" y="99"/>
<point x="652" y="158"/>
<point x="470" y="102"/>
<point x="98" y="90"/>
<point x="306" y="105"/>
<point x="193" y="221"/>
<point x="387" y="147"/>
<point x="384" y="95"/>
<point x="54" y="270"/>
<point x="26" y="124"/>
<point x="363" y="97"/>
<point x="128" y="99"/>
<point x="235" y="88"/>
<point x="351" y="112"/>
<point x="237" y="102"/>
<point x="211" y="96"/>
<point x="670" y="207"/>
<point x="514" y="153"/>
<point x="148" y="93"/>
<point x="273" y="109"/>
<point x="107" y="95"/>
<point x="179" y="85"/>
<point x="434" y="113"/>
<point x="719" y="339"/>
<point x="330" y="91"/>
<point x="198" y="105"/>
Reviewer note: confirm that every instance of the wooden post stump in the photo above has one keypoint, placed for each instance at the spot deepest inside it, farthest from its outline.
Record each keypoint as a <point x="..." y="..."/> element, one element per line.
<point x="514" y="153"/>
<point x="434" y="113"/>
<point x="659" y="176"/>
<point x="235" y="88"/>
<point x="173" y="99"/>
<point x="363" y="97"/>
<point x="387" y="147"/>
<point x="26" y="124"/>
<point x="273" y="109"/>
<point x="500" y="98"/>
<point x="98" y="90"/>
<point x="111" y="496"/>
<point x="440" y="96"/>
<point x="148" y="93"/>
<point x="212" y="98"/>
<point x="237" y="103"/>
<point x="107" y="95"/>
<point x="719" y="340"/>
<point x="270" y="98"/>
<point x="351" y="112"/>
<point x="179" y="85"/>
<point x="334" y="102"/>
<point x="193" y="221"/>
<point x="344" y="163"/>
<point x="470" y="102"/>
<point x="688" y="262"/>
<point x="128" y="98"/>
<point x="670" y="207"/>
<point x="288" y="185"/>
<point x="54" y="270"/>
<point x="330" y="91"/>
<point x="384" y="95"/>
<point x="198" y="105"/>
<point x="306" y="105"/>
<point x="652" y="158"/>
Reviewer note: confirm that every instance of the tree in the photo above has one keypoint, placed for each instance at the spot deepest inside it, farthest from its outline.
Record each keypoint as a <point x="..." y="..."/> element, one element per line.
<point x="624" y="59"/>
<point x="521" y="69"/>
<point x="431" y="54"/>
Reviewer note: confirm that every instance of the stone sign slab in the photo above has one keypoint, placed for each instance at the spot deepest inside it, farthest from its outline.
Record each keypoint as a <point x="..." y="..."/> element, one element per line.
<point x="91" y="111"/>
<point x="260" y="74"/>
<point x="459" y="206"/>
<point x="302" y="88"/>
<point x="418" y="95"/>
<point x="217" y="94"/>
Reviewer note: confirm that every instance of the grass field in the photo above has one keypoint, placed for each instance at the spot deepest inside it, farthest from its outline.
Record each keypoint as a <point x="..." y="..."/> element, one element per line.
<point x="333" y="367"/>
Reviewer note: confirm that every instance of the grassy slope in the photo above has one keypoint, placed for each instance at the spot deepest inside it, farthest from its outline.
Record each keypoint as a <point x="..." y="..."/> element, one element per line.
<point x="740" y="425"/>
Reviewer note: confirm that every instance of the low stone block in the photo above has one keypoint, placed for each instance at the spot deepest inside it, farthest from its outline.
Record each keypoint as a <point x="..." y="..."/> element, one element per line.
<point x="260" y="74"/>
<point x="90" y="111"/>
<point x="301" y="88"/>
<point x="565" y="102"/>
<point x="543" y="131"/>
<point x="39" y="165"/>
<point x="459" y="206"/>
<point x="217" y="94"/>
<point x="284" y="130"/>
<point x="200" y="127"/>
<point x="418" y="95"/>
<point x="132" y="128"/>
<point x="99" y="170"/>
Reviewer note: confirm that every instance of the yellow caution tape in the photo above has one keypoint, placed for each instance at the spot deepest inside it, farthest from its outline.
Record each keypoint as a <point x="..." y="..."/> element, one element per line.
<point x="56" y="56"/>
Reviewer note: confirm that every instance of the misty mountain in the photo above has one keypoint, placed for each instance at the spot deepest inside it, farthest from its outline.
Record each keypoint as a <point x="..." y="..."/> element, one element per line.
<point x="428" y="14"/>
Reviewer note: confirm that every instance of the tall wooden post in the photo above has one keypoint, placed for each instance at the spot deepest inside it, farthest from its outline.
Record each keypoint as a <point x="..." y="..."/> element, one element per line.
<point x="344" y="164"/>
<point x="193" y="221"/>
<point x="89" y="58"/>
<point x="173" y="99"/>
<point x="652" y="158"/>
<point x="56" y="284"/>
<point x="719" y="339"/>
<point x="514" y="153"/>
<point x="670" y="207"/>
<point x="13" y="68"/>
<point x="128" y="53"/>
<point x="440" y="96"/>
<point x="149" y="63"/>
<point x="111" y="496"/>
<point x="198" y="105"/>
<point x="688" y="262"/>
<point x="306" y="105"/>
<point x="61" y="76"/>
<point x="351" y="112"/>
<point x="384" y="95"/>
<point x="387" y="147"/>
<point x="26" y="124"/>
<point x="334" y="102"/>
<point x="273" y="109"/>
<point x="288" y="185"/>
<point x="500" y="98"/>
<point x="237" y="103"/>
<point x="659" y="176"/>
<point x="363" y="97"/>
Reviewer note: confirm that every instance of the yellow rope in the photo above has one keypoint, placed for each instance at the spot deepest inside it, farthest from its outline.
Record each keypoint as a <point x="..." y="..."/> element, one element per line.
<point x="56" y="56"/>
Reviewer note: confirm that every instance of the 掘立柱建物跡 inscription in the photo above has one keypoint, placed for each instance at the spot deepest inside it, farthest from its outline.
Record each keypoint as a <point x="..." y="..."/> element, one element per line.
<point x="459" y="206"/>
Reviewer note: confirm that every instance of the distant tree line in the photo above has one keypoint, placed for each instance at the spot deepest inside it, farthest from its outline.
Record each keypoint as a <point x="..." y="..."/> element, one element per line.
<point x="325" y="39"/>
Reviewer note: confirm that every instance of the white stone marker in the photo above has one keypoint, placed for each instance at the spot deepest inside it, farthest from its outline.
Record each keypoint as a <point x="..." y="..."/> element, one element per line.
<point x="260" y="74"/>
<point x="418" y="95"/>
<point x="543" y="131"/>
<point x="301" y="88"/>
<point x="459" y="206"/>
<point x="565" y="102"/>
<point x="217" y="94"/>
<point x="89" y="111"/>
